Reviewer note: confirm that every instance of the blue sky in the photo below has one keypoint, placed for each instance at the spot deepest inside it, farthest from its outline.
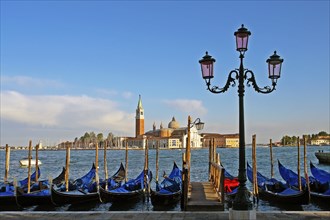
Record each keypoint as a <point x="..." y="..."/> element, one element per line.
<point x="68" y="67"/>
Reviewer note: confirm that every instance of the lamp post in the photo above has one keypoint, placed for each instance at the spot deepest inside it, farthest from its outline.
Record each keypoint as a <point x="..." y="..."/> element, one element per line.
<point x="199" y="126"/>
<point x="242" y="201"/>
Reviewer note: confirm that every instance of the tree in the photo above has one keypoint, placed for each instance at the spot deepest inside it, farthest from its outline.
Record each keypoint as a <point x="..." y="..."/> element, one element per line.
<point x="99" y="137"/>
<point x="110" y="139"/>
<point x="92" y="137"/>
<point x="294" y="140"/>
<point x="85" y="139"/>
<point x="286" y="140"/>
<point x="323" y="133"/>
<point x="76" y="142"/>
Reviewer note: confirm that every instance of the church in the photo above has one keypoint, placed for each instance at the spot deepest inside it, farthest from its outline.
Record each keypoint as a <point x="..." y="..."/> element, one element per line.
<point x="170" y="137"/>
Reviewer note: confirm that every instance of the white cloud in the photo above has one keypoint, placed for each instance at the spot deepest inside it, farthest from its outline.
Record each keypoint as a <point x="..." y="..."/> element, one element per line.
<point x="187" y="106"/>
<point x="67" y="112"/>
<point x="26" y="81"/>
<point x="127" y="95"/>
<point x="114" y="93"/>
<point x="106" y="92"/>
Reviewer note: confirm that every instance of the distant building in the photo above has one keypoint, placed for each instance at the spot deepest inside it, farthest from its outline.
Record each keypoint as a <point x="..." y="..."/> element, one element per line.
<point x="173" y="136"/>
<point x="139" y="119"/>
<point x="220" y="140"/>
<point x="321" y="140"/>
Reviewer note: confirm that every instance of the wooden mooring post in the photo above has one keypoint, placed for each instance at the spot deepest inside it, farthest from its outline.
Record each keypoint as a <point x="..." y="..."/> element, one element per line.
<point x="146" y="187"/>
<point x="298" y="166"/>
<point x="7" y="163"/>
<point x="67" y="167"/>
<point x="184" y="196"/>
<point x="254" y="168"/>
<point x="271" y="158"/>
<point x="157" y="161"/>
<point x="29" y="167"/>
<point x="37" y="163"/>
<point x="105" y="164"/>
<point x="305" y="168"/>
<point x="126" y="160"/>
<point x="97" y="165"/>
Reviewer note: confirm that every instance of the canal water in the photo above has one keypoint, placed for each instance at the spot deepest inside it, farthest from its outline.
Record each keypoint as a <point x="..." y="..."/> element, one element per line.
<point x="82" y="160"/>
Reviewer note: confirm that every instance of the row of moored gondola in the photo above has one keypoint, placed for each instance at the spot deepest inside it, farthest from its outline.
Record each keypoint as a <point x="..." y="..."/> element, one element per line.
<point x="316" y="190"/>
<point x="86" y="189"/>
<point x="288" y="191"/>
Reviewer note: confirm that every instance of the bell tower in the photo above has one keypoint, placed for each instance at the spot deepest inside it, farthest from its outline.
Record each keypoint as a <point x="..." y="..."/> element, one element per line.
<point x="139" y="119"/>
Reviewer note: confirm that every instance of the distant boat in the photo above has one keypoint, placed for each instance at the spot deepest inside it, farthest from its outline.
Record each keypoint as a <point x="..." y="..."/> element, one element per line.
<point x="323" y="157"/>
<point x="25" y="162"/>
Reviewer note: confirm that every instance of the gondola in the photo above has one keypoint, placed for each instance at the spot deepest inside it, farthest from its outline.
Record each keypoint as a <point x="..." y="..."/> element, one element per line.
<point x="7" y="190"/>
<point x="321" y="175"/>
<point x="80" y="191"/>
<point x="39" y="192"/>
<point x="231" y="184"/>
<point x="273" y="190"/>
<point x="320" y="185"/>
<point x="132" y="190"/>
<point x="168" y="192"/>
<point x="7" y="194"/>
<point x="115" y="180"/>
<point x="319" y="189"/>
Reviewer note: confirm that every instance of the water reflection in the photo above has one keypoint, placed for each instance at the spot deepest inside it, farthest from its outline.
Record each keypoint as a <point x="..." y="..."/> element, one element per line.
<point x="126" y="206"/>
<point x="83" y="206"/>
<point x="277" y="206"/>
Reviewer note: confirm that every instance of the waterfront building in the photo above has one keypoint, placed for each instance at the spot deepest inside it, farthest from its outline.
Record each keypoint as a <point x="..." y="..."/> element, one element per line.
<point x="321" y="140"/>
<point x="220" y="140"/>
<point x="173" y="136"/>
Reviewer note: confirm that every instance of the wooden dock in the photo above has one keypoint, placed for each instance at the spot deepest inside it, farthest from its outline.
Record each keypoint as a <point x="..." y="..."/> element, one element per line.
<point x="203" y="197"/>
<point x="207" y="195"/>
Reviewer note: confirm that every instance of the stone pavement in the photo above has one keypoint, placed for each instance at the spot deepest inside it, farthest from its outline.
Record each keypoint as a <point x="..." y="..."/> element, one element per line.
<point x="160" y="215"/>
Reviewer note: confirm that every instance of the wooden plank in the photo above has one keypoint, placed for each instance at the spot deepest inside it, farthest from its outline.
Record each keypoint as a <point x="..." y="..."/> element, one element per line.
<point x="203" y="198"/>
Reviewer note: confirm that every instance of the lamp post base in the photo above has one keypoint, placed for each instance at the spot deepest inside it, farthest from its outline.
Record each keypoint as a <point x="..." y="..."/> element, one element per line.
<point x="242" y="199"/>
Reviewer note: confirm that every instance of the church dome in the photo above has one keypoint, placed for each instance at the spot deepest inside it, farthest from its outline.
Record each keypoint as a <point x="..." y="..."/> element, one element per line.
<point x="173" y="124"/>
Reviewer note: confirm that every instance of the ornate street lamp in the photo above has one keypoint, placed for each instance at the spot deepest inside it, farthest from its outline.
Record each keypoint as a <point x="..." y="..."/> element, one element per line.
<point x="242" y="201"/>
<point x="242" y="38"/>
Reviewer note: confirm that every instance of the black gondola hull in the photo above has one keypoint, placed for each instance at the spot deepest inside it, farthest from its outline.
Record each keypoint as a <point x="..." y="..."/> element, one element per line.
<point x="7" y="201"/>
<point x="107" y="196"/>
<point x="159" y="199"/>
<point x="320" y="198"/>
<point x="301" y="198"/>
<point x="26" y="200"/>
<point x="61" y="198"/>
<point x="41" y="197"/>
